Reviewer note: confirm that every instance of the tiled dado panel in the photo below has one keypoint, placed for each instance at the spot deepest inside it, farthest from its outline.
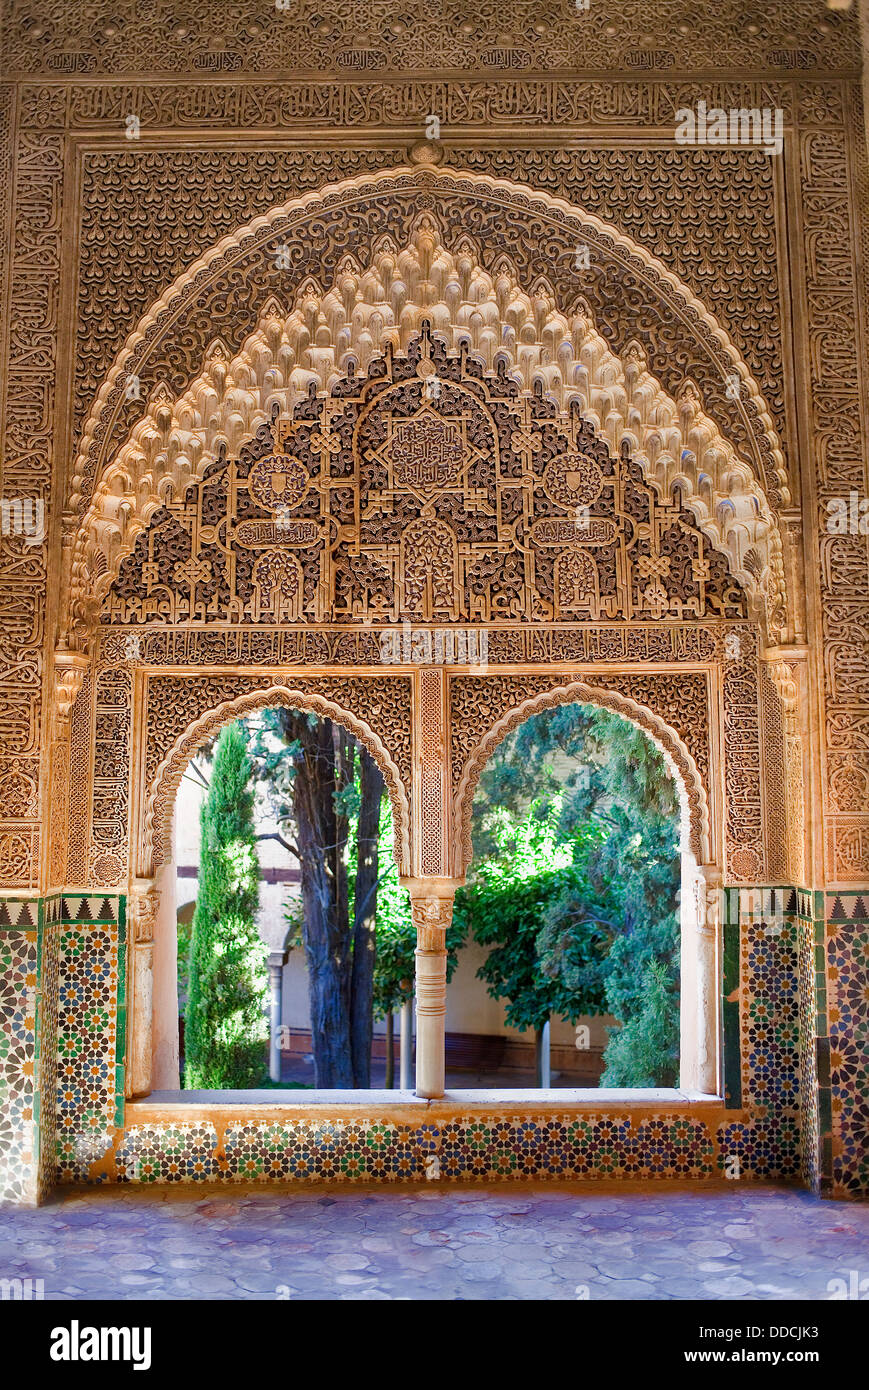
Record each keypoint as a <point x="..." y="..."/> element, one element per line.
<point x="47" y="1010"/>
<point x="441" y="1144"/>
<point x="19" y="966"/>
<point x="847" y="959"/>
<point x="91" y="1028"/>
<point x="761" y="1009"/>
<point x="29" y="946"/>
<point x="485" y="1145"/>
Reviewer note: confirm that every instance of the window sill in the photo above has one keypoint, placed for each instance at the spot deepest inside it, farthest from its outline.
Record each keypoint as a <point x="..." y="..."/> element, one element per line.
<point x="181" y="1103"/>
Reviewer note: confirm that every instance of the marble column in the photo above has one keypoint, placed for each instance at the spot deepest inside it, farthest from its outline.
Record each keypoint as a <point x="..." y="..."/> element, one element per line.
<point x="701" y="926"/>
<point x="164" y="1032"/>
<point x="406" y="1046"/>
<point x="143" y="912"/>
<point x="432" y="908"/>
<point x="277" y="961"/>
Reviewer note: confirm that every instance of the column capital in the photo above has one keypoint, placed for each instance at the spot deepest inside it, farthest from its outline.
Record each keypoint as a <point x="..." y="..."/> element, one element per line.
<point x="709" y="887"/>
<point x="712" y="873"/>
<point x="70" y="668"/>
<point x="144" y="904"/>
<point x="422" y="888"/>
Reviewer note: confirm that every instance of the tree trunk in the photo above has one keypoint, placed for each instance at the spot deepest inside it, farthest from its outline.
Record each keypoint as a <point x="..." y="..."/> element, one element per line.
<point x="321" y="839"/>
<point x="365" y="913"/>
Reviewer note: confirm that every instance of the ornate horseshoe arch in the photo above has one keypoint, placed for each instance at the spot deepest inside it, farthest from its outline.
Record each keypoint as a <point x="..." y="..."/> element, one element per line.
<point x="700" y="941"/>
<point x="438" y="426"/>
<point x="694" y="820"/>
<point x="538" y="329"/>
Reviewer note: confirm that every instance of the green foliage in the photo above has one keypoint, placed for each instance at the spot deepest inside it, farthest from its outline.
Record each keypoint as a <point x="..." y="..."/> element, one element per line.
<point x="582" y="758"/>
<point x="185" y="939"/>
<point x="294" y="917"/>
<point x="514" y="893"/>
<point x="274" y="759"/>
<point x="645" y="1052"/>
<point x="394" y="966"/>
<point x="578" y="887"/>
<point x="225" y="1028"/>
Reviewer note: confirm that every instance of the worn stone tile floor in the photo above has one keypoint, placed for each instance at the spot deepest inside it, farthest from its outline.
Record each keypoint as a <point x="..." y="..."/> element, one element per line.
<point x="447" y="1242"/>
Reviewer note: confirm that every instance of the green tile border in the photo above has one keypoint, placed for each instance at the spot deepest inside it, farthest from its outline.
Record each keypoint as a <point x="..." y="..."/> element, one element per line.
<point x="730" y="1018"/>
<point x="121" y="1019"/>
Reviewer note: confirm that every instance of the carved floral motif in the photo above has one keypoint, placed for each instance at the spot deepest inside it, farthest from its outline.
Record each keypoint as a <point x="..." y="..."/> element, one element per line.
<point x="567" y="359"/>
<point x="445" y="535"/>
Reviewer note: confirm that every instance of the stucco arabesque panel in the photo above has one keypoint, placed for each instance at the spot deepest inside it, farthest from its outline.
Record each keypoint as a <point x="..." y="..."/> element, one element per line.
<point x="641" y="191"/>
<point x="519" y="338"/>
<point x="419" y="186"/>
<point x="90" y="39"/>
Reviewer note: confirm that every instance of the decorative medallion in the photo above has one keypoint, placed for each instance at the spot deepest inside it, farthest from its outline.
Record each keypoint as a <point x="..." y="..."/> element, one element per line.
<point x="278" y="481"/>
<point x="573" y="480"/>
<point x="107" y="869"/>
<point x="745" y="864"/>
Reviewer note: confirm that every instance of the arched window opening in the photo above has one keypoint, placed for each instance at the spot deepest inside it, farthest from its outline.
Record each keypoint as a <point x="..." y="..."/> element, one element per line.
<point x="284" y="871"/>
<point x="574" y="917"/>
<point x="578" y="954"/>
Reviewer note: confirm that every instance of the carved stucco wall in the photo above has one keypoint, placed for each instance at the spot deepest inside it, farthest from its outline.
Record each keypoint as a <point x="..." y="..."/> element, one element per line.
<point x="640" y="189"/>
<point x="541" y="236"/>
<point x="381" y="305"/>
<point x="99" y="227"/>
<point x="94" y="40"/>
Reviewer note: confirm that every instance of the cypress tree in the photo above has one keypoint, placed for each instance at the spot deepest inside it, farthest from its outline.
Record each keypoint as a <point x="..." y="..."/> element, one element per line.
<point x="645" y="1051"/>
<point x="225" y="1028"/>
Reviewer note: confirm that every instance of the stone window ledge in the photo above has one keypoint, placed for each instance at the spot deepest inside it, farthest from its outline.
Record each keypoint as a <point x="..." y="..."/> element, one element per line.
<point x="179" y="1103"/>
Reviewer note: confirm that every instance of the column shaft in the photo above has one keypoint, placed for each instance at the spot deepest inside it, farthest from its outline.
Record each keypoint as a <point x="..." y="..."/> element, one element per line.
<point x="277" y="961"/>
<point x="432" y="908"/>
<point x="164" y="1031"/>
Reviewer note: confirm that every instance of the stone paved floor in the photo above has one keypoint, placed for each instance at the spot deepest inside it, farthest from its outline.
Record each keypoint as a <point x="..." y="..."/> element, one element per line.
<point x="497" y="1242"/>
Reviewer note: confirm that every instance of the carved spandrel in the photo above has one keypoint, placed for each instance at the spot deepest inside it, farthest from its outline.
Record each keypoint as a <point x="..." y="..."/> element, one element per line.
<point x="434" y="525"/>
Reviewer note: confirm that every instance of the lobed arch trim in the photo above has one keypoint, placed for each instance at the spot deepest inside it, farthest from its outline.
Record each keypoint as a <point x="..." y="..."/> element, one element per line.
<point x="160" y="796"/>
<point x="695" y="832"/>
